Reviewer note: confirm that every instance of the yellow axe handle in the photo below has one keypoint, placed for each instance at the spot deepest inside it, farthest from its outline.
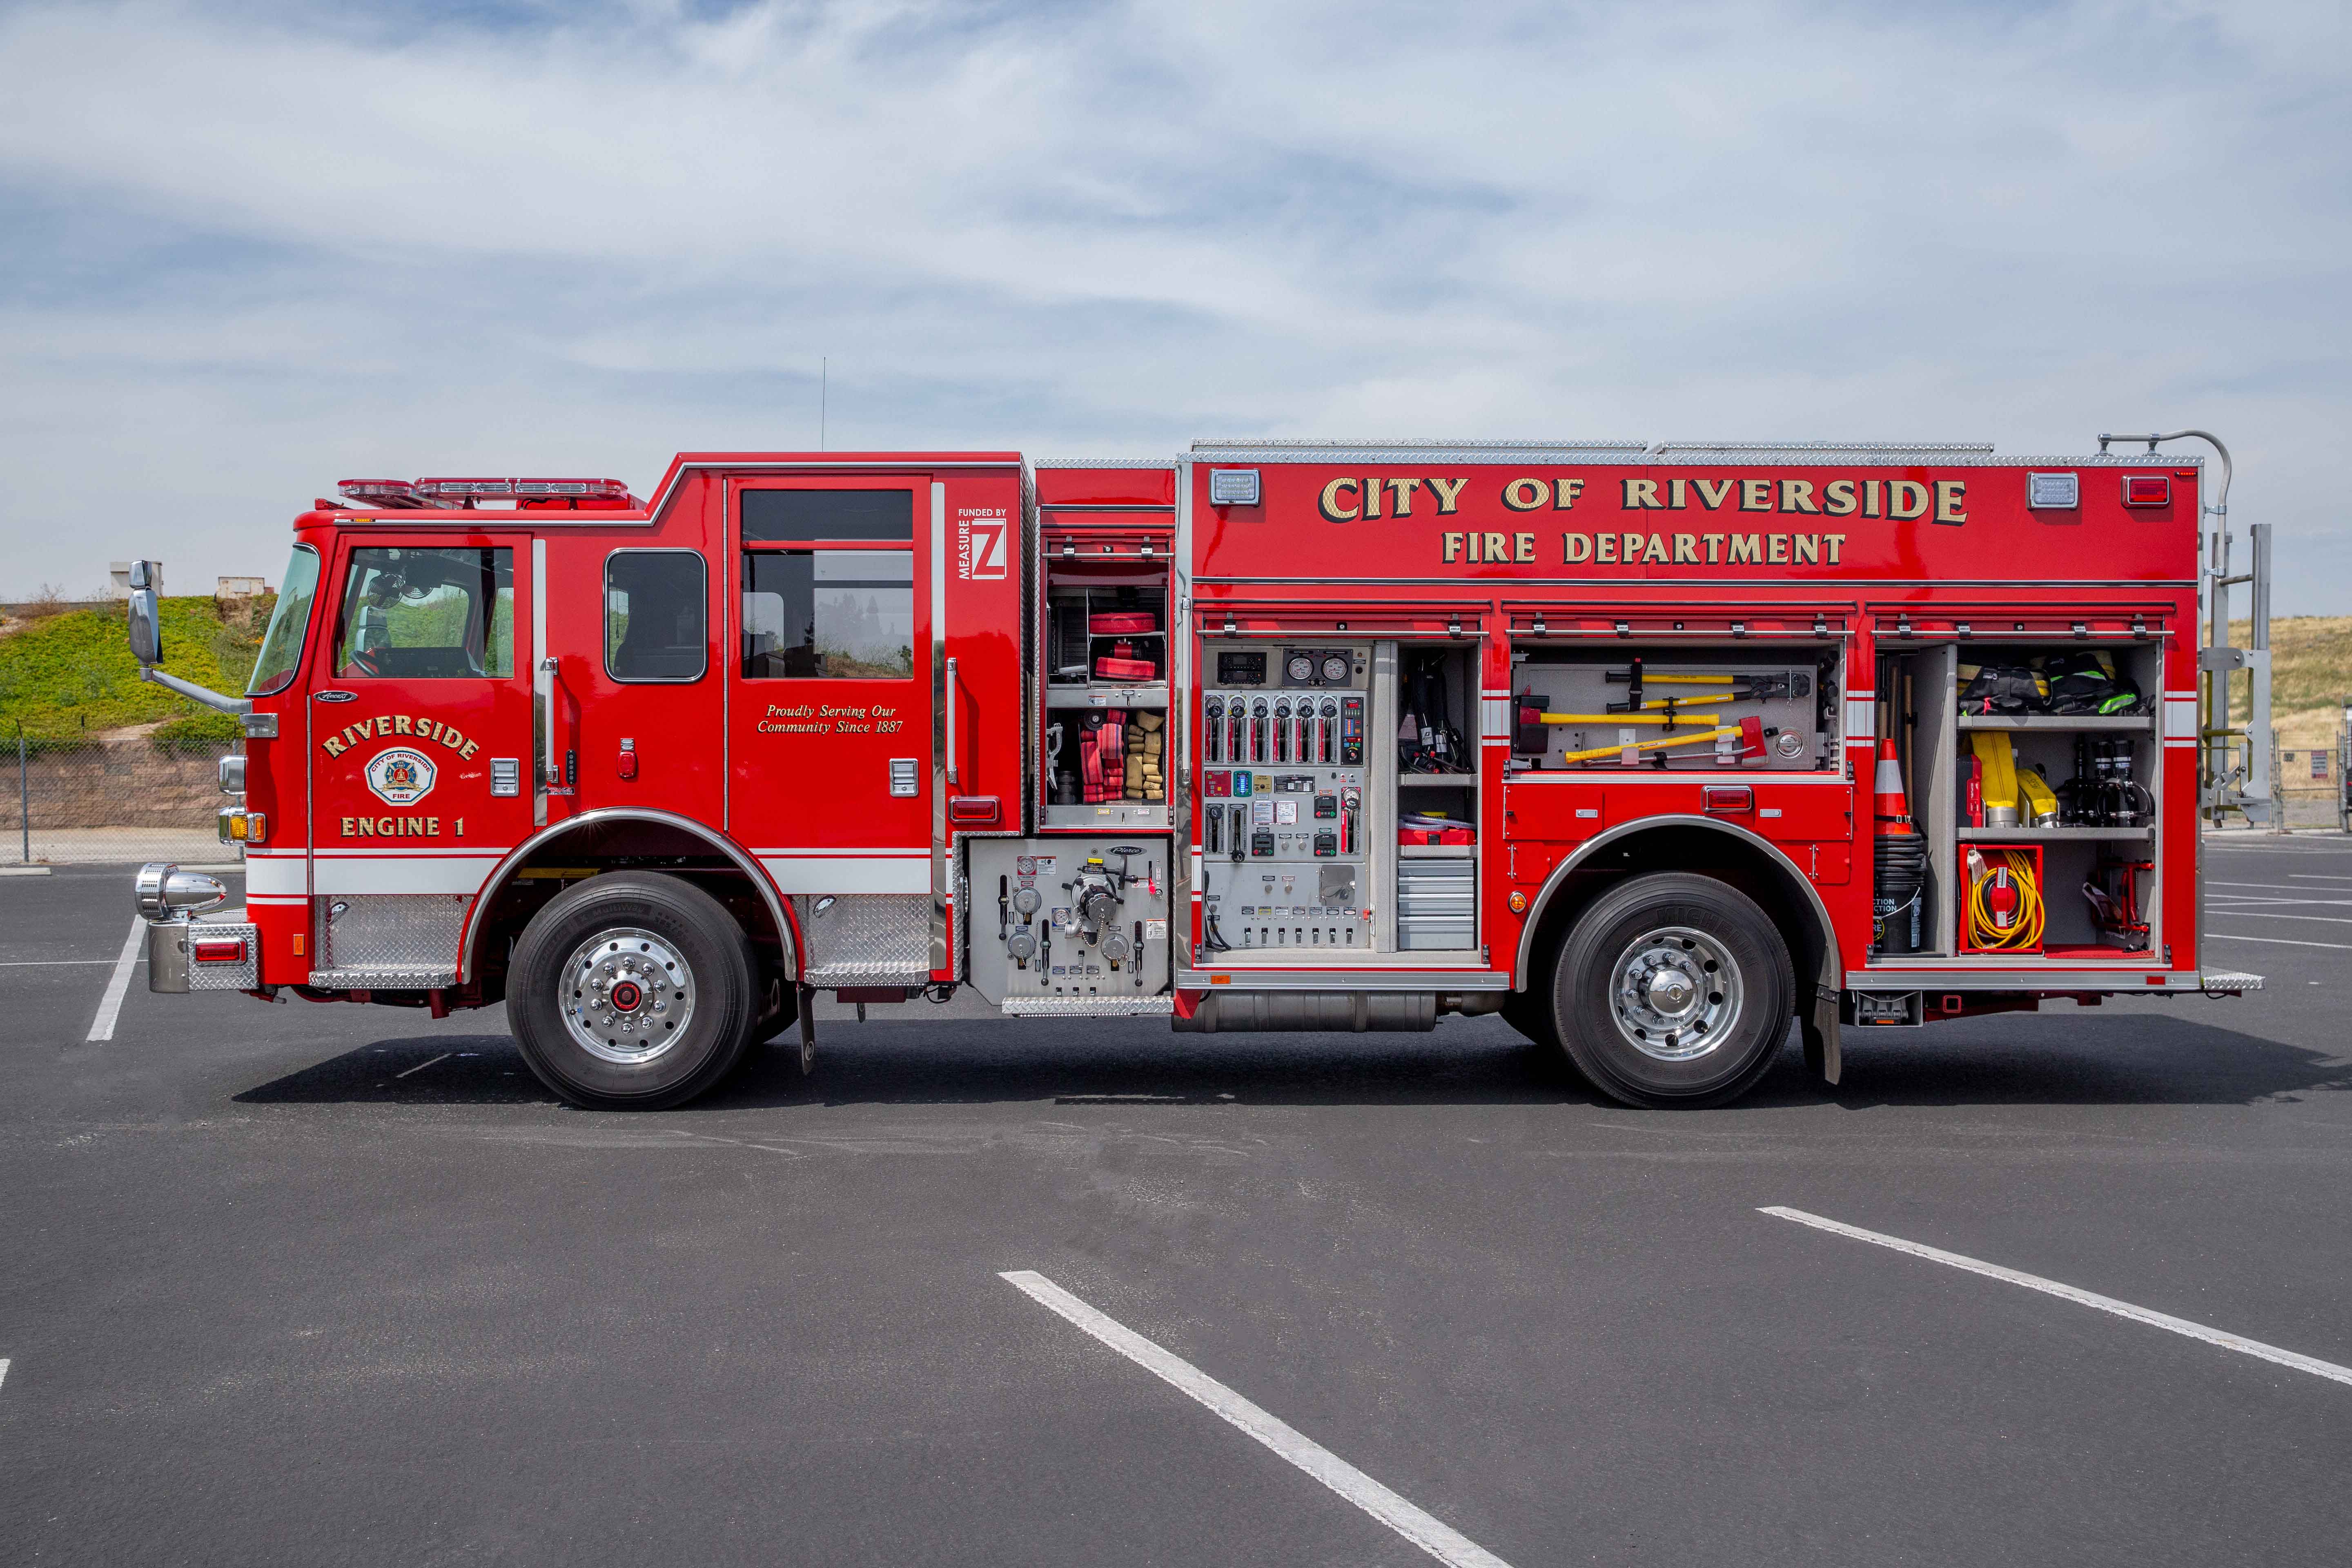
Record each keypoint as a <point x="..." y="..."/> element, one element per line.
<point x="1649" y="745"/>
<point x="1677" y="717"/>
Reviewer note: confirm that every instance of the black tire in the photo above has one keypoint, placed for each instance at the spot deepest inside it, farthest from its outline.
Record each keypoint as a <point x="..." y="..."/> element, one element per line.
<point x="650" y="1046"/>
<point x="1672" y="991"/>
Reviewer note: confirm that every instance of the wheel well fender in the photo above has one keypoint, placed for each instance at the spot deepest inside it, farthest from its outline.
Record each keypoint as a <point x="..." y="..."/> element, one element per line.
<point x="778" y="919"/>
<point x="1746" y="859"/>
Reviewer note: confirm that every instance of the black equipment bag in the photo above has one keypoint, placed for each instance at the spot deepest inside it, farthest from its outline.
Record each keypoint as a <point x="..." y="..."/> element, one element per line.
<point x="2004" y="688"/>
<point x="2082" y="683"/>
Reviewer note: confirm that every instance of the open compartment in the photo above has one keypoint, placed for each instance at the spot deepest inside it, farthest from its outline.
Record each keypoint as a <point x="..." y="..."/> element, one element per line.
<point x="1989" y="766"/>
<point x="1675" y="707"/>
<point x="1432" y="721"/>
<point x="1106" y="647"/>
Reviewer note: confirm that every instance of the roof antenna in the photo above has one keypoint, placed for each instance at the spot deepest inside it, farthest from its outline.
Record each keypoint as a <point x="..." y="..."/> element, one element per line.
<point x="823" y="387"/>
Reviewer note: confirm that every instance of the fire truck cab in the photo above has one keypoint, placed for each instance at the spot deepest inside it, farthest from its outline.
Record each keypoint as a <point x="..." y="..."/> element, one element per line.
<point x="1650" y="749"/>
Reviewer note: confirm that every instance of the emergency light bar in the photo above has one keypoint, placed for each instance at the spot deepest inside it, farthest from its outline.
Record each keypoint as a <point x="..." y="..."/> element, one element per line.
<point x="463" y="489"/>
<point x="385" y="494"/>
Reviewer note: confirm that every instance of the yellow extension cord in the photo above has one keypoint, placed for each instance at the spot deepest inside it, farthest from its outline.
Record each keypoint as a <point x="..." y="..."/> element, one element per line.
<point x="2026" y="933"/>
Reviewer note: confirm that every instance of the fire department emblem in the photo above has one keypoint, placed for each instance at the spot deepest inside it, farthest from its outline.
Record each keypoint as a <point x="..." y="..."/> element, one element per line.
<point x="401" y="775"/>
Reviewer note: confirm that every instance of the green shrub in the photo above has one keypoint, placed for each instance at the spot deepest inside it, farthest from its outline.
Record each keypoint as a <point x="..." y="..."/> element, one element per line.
<point x="65" y="674"/>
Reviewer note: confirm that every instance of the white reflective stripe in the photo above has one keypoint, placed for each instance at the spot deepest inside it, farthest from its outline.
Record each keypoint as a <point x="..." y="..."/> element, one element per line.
<point x="399" y="874"/>
<point x="277" y="876"/>
<point x="909" y="873"/>
<point x="1494" y="716"/>
<point x="1861" y="716"/>
<point x="2180" y="716"/>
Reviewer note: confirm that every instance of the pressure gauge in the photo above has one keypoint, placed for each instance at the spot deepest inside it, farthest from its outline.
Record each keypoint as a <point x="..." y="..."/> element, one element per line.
<point x="1300" y="668"/>
<point x="1335" y="667"/>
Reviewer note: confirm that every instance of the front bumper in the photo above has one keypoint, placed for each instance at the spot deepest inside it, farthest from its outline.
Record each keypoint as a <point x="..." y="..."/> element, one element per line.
<point x="218" y="952"/>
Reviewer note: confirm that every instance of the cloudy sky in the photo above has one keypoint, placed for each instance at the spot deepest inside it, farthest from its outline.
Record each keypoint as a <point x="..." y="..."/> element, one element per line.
<point x="248" y="248"/>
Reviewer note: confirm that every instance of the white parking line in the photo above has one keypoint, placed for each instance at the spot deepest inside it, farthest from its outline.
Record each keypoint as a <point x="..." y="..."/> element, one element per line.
<point x="2228" y="1342"/>
<point x="420" y="1067"/>
<point x="2279" y="940"/>
<point x="2274" y="915"/>
<point x="110" y="1007"/>
<point x="1434" y="1536"/>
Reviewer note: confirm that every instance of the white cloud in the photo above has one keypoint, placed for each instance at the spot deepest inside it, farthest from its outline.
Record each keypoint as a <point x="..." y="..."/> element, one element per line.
<point x="257" y="250"/>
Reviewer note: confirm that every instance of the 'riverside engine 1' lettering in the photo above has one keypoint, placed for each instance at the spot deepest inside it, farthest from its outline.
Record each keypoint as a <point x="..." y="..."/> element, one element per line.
<point x="349" y="735"/>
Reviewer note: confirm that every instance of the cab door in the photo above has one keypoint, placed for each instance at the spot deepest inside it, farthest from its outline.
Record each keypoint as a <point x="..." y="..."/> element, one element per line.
<point x="419" y="734"/>
<point x="832" y="762"/>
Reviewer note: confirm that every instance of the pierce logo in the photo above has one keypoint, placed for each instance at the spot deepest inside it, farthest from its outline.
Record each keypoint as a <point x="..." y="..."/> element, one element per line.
<point x="399" y="775"/>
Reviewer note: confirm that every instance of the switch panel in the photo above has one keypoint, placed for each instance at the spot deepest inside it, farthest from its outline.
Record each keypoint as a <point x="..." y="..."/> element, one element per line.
<point x="1283" y="807"/>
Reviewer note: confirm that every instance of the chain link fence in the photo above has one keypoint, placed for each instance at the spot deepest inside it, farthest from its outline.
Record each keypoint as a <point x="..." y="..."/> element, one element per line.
<point x="116" y="799"/>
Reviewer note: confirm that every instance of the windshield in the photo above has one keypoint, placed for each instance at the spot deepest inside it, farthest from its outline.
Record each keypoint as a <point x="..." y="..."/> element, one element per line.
<point x="281" y="644"/>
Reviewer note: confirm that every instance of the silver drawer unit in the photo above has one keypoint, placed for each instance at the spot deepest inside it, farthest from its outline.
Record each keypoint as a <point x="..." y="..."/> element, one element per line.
<point x="1437" y="905"/>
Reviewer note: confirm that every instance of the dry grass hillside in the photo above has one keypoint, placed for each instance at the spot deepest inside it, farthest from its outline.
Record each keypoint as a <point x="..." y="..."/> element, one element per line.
<point x="2311" y="677"/>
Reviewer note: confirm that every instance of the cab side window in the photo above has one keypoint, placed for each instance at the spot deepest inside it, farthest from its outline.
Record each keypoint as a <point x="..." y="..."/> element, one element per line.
<point x="654" y="619"/>
<point x="840" y="603"/>
<point x="426" y="612"/>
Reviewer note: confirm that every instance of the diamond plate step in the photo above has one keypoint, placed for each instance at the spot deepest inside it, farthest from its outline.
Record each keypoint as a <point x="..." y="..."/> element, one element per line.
<point x="2230" y="980"/>
<point x="1089" y="1006"/>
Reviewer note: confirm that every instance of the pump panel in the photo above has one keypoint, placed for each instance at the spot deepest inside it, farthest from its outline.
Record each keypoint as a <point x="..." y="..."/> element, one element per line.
<point x="1072" y="923"/>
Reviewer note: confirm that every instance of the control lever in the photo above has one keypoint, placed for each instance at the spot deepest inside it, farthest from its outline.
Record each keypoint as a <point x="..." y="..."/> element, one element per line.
<point x="1258" y="730"/>
<point x="1240" y="846"/>
<point x="1282" y="731"/>
<point x="1326" y="737"/>
<point x="1214" y="707"/>
<point x="1351" y="802"/>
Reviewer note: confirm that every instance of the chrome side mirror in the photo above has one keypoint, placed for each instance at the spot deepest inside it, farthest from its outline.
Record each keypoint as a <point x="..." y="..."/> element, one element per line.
<point x="146" y="612"/>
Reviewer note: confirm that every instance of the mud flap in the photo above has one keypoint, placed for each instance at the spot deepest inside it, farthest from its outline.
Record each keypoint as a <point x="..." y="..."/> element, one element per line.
<point x="1820" y="1033"/>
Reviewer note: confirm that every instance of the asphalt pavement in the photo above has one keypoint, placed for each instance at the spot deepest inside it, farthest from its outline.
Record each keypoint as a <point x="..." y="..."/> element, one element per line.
<point x="324" y="1283"/>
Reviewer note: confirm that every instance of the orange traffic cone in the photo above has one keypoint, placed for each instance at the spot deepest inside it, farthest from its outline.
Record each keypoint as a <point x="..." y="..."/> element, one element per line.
<point x="1894" y="811"/>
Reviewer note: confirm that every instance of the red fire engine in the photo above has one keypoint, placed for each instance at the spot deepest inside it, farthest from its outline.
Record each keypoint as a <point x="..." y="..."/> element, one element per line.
<point x="1649" y="749"/>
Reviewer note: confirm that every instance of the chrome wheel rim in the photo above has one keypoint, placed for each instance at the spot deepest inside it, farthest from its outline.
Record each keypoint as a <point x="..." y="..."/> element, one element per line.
<point x="628" y="995"/>
<point x="1675" y="993"/>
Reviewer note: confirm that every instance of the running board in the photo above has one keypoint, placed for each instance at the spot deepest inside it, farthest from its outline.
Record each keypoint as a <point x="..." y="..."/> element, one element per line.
<point x="1089" y="1006"/>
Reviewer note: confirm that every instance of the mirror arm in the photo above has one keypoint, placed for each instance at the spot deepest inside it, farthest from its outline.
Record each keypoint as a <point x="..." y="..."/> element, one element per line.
<point x="191" y="690"/>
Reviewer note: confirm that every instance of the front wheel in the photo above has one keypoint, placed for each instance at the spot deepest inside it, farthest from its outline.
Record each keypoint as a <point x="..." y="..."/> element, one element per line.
<point x="1673" y="990"/>
<point x="632" y="991"/>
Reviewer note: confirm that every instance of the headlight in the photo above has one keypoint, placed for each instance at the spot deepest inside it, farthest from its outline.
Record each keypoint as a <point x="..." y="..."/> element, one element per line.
<point x="164" y="892"/>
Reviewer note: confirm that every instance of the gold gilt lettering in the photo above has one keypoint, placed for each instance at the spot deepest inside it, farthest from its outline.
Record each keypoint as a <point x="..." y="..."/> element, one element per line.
<point x="1453" y="546"/>
<point x="1564" y="493"/>
<point x="1678" y="494"/>
<point x="1809" y="548"/>
<point x="1870" y="488"/>
<point x="1745" y="547"/>
<point x="1607" y="553"/>
<point x="1498" y="547"/>
<point x="1641" y="493"/>
<point x="1836" y="542"/>
<point x="1947" y="501"/>
<point x="1797" y="495"/>
<point x="1906" y="497"/>
<point x="1524" y="495"/>
<point x="1522" y="547"/>
<point x="1686" y="549"/>
<point x="1371" y="492"/>
<point x="1837" y="497"/>
<point x="1576" y="547"/>
<point x="1449" y="494"/>
<point x="1712" y="493"/>
<point x="1633" y="543"/>
<point x="400" y="725"/>
<point x="1400" y="497"/>
<point x="336" y="745"/>
<point x="1655" y="549"/>
<point x="1713" y="547"/>
<point x="1756" y="495"/>
<point x="1776" y="548"/>
<point x="1329" y="504"/>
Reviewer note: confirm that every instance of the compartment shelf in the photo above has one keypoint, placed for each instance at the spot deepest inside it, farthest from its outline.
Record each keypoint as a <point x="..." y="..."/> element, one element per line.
<point x="1075" y="696"/>
<point x="1437" y="780"/>
<point x="1437" y="851"/>
<point x="2128" y="723"/>
<point x="2055" y="835"/>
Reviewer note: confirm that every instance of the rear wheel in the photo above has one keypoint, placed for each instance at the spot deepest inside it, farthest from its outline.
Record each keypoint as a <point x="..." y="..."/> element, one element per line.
<point x="1673" y="990"/>
<point x="632" y="991"/>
